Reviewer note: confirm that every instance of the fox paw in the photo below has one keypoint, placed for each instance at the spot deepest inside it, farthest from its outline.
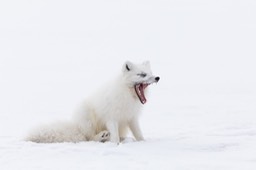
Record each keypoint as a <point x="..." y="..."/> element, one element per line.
<point x="104" y="136"/>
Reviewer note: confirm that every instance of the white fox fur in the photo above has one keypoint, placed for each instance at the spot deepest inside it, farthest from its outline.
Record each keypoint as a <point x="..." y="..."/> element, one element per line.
<point x="106" y="115"/>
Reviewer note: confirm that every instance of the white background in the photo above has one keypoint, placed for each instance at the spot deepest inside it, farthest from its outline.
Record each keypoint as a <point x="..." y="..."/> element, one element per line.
<point x="201" y="115"/>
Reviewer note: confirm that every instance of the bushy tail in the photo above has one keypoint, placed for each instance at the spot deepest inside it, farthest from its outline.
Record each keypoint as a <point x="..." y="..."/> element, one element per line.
<point x="55" y="133"/>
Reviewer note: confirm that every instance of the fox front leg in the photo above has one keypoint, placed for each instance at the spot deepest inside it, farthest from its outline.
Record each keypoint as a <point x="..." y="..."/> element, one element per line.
<point x="135" y="129"/>
<point x="112" y="127"/>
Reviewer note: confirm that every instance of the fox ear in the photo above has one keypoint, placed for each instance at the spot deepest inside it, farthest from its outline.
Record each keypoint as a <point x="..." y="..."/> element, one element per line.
<point x="127" y="66"/>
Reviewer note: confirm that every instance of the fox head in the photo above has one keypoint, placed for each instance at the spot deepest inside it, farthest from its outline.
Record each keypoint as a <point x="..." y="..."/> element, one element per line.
<point x="139" y="76"/>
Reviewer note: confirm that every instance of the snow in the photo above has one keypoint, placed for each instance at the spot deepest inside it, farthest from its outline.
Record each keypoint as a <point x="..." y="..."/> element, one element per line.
<point x="201" y="115"/>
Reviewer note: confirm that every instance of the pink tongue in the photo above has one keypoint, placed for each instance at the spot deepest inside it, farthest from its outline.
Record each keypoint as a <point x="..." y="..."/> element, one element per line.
<point x="140" y="92"/>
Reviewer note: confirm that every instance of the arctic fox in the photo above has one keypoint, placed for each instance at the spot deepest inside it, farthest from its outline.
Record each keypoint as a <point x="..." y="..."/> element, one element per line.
<point x="108" y="114"/>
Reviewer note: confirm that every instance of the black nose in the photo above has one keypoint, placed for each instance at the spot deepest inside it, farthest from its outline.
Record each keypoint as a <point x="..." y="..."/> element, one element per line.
<point x="157" y="79"/>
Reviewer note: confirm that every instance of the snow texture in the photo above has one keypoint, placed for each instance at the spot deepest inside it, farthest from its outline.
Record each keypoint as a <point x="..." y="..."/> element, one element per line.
<point x="200" y="116"/>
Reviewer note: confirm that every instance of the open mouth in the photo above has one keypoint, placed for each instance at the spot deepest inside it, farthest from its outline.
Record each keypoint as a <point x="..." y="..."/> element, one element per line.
<point x="139" y="89"/>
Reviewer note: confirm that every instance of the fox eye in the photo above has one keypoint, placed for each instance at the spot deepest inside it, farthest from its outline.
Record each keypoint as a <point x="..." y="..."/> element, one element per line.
<point x="142" y="74"/>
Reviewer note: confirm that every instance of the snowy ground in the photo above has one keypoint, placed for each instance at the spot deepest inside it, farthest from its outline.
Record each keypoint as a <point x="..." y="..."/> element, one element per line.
<point x="200" y="116"/>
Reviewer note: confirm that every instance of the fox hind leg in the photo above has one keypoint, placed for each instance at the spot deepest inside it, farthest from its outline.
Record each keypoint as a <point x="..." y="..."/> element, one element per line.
<point x="103" y="136"/>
